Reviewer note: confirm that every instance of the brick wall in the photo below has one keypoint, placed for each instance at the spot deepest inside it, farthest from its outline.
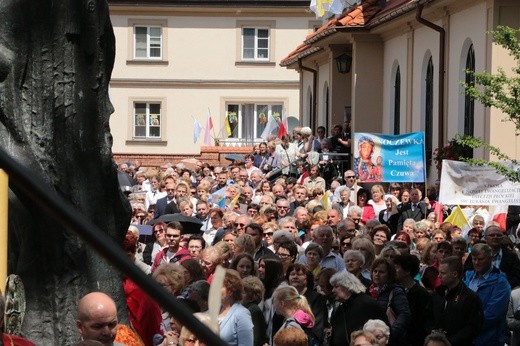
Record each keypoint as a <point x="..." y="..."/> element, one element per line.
<point x="212" y="155"/>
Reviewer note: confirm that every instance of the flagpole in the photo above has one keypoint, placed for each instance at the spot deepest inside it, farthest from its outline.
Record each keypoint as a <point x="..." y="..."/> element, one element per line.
<point x="213" y="128"/>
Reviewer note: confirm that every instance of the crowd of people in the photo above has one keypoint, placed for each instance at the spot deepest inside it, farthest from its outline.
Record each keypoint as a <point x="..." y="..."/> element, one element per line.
<point x="311" y="259"/>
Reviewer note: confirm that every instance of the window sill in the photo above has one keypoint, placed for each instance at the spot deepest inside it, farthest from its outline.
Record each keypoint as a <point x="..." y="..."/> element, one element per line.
<point x="255" y="63"/>
<point x="147" y="62"/>
<point x="144" y="141"/>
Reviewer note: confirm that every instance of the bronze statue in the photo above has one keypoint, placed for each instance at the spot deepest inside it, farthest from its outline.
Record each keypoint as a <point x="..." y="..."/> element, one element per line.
<point x="56" y="58"/>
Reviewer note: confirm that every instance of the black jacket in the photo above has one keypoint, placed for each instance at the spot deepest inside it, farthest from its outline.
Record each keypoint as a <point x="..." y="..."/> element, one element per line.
<point x="458" y="313"/>
<point x="418" y="214"/>
<point x="352" y="315"/>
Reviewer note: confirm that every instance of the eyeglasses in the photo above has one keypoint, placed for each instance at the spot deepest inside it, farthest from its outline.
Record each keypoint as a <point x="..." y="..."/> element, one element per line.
<point x="173" y="235"/>
<point x="346" y="244"/>
<point x="283" y="255"/>
<point x="239" y="224"/>
<point x="268" y="234"/>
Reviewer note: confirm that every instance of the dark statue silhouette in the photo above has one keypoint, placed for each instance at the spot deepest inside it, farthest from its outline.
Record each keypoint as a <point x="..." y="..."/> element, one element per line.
<point x="56" y="58"/>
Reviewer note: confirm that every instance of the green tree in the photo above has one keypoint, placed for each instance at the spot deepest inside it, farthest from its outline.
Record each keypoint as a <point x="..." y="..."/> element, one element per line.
<point x="499" y="91"/>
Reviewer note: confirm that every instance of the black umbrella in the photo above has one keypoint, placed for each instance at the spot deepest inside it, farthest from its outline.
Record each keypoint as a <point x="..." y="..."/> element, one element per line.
<point x="125" y="180"/>
<point x="190" y="224"/>
<point x="145" y="233"/>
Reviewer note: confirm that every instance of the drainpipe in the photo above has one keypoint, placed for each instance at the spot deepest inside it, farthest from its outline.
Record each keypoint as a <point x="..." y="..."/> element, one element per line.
<point x="314" y="90"/>
<point x="442" y="63"/>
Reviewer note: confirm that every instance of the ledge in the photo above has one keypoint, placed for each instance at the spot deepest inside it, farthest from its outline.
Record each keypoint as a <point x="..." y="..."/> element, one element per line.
<point x="146" y="142"/>
<point x="148" y="62"/>
<point x="255" y="63"/>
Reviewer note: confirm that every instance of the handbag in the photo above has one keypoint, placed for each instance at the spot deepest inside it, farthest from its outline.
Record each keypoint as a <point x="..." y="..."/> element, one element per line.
<point x="390" y="314"/>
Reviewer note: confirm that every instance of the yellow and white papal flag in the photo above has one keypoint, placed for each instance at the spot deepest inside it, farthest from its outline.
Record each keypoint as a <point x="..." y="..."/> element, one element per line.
<point x="327" y="8"/>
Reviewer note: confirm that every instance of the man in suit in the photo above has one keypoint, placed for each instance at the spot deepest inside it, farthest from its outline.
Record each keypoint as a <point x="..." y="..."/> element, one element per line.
<point x="417" y="209"/>
<point x="160" y="207"/>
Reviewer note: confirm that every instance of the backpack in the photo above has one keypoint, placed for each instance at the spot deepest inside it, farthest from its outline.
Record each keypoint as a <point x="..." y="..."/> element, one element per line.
<point x="313" y="340"/>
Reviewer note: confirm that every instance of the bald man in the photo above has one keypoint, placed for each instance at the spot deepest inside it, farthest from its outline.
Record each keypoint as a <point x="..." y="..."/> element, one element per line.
<point x="97" y="318"/>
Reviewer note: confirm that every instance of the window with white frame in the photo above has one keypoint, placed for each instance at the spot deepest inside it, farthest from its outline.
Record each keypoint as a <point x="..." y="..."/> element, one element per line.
<point x="249" y="120"/>
<point x="255" y="44"/>
<point x="147" y="120"/>
<point x="147" y="42"/>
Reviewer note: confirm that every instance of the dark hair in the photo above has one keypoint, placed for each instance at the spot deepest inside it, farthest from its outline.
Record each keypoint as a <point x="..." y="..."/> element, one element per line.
<point x="253" y="206"/>
<point x="383" y="228"/>
<point x="198" y="237"/>
<point x="437" y="337"/>
<point x="362" y="191"/>
<point x="255" y="227"/>
<point x="327" y="273"/>
<point x="273" y="273"/>
<point x="175" y="225"/>
<point x="298" y="267"/>
<point x="445" y="245"/>
<point x="409" y="263"/>
<point x="237" y="258"/>
<point x="291" y="247"/>
<point x="217" y="211"/>
<point x="194" y="268"/>
<point x="390" y="268"/>
<point x="454" y="264"/>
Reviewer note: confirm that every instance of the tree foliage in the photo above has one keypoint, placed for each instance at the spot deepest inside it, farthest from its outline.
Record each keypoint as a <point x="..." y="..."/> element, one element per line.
<point x="502" y="92"/>
<point x="499" y="90"/>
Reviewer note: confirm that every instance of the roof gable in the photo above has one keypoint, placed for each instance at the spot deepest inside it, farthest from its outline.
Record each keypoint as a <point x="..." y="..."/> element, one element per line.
<point x="356" y="17"/>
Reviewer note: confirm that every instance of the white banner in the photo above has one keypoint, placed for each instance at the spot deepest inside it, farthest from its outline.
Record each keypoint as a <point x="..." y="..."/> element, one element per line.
<point x="465" y="184"/>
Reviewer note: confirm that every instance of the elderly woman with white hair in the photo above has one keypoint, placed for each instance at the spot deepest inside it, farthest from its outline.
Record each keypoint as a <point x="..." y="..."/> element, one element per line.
<point x="354" y="310"/>
<point x="354" y="262"/>
<point x="380" y="330"/>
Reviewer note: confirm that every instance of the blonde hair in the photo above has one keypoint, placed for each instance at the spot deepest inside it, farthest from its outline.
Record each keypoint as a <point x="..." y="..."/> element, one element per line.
<point x="270" y="225"/>
<point x="173" y="273"/>
<point x="292" y="299"/>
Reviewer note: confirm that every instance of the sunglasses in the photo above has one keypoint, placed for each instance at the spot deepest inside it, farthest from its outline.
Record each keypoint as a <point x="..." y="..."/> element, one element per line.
<point x="351" y="176"/>
<point x="159" y="230"/>
<point x="268" y="234"/>
<point x="239" y="224"/>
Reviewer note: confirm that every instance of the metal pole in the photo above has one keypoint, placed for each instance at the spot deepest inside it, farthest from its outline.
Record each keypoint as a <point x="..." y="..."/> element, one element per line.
<point x="47" y="199"/>
<point x="4" y="193"/>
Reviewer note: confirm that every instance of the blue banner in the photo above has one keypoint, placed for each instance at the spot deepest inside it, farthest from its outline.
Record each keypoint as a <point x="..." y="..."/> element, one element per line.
<point x="389" y="158"/>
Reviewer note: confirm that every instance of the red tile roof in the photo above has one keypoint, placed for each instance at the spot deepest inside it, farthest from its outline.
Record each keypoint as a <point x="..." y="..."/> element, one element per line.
<point x="357" y="17"/>
<point x="360" y="17"/>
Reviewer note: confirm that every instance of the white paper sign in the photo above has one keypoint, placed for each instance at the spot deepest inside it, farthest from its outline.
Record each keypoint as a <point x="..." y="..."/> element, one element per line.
<point x="465" y="184"/>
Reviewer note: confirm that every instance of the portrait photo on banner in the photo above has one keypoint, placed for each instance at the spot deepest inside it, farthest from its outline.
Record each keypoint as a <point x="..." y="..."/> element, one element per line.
<point x="389" y="158"/>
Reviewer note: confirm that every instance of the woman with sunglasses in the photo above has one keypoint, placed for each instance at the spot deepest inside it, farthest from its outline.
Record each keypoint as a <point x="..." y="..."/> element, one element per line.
<point x="152" y="249"/>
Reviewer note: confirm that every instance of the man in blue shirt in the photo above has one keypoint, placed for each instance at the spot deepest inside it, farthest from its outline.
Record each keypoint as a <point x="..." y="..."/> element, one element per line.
<point x="493" y="289"/>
